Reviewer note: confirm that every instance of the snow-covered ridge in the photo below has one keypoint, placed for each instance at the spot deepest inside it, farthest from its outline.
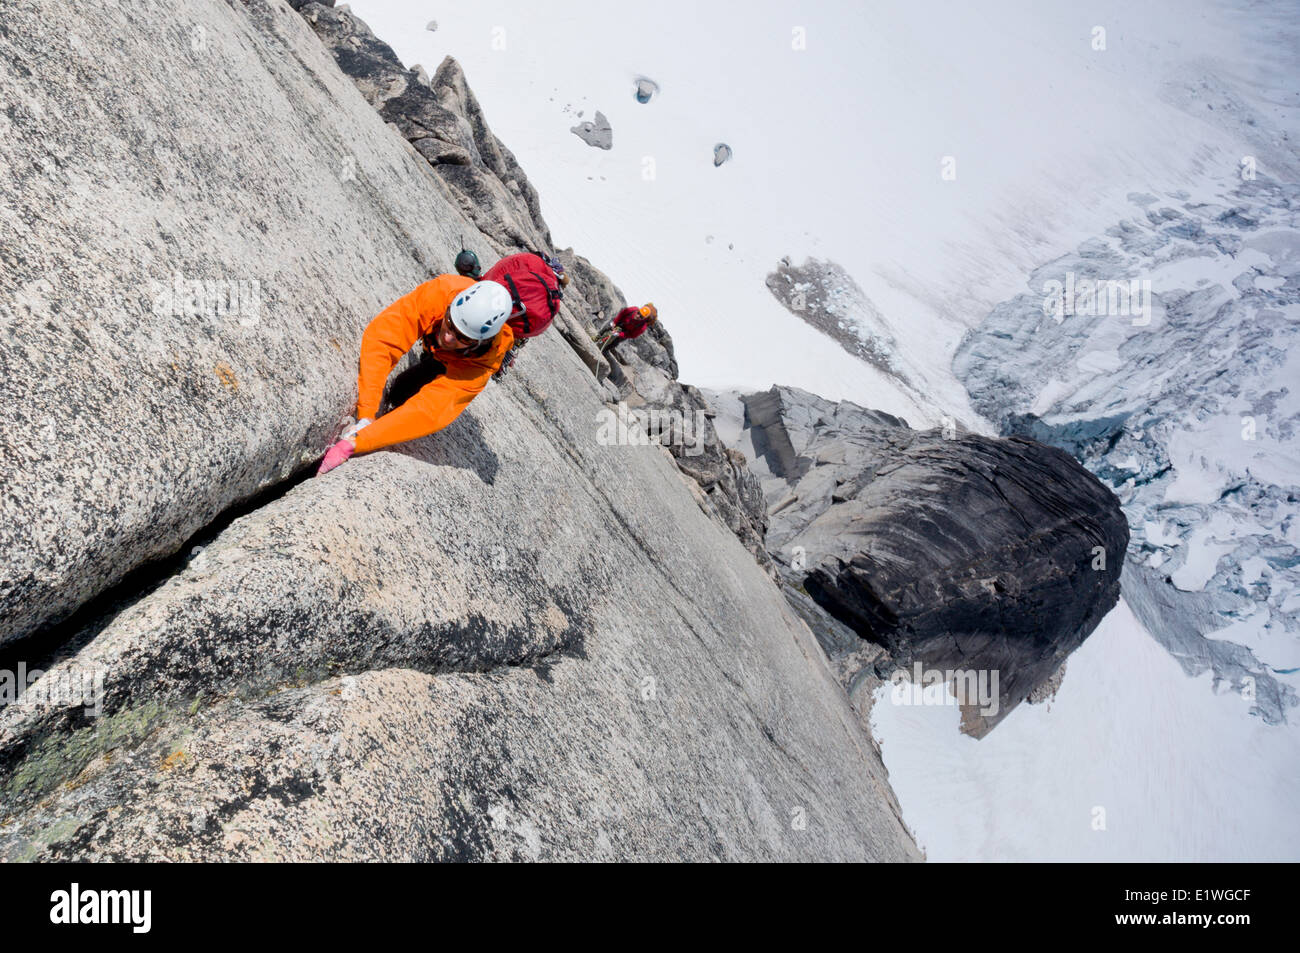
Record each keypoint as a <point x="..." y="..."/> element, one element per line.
<point x="1185" y="402"/>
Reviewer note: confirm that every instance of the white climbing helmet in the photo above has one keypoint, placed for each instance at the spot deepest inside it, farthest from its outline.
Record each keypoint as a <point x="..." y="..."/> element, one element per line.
<point x="479" y="311"/>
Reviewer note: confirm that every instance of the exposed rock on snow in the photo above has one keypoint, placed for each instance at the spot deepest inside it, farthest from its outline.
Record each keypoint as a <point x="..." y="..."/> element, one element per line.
<point x="597" y="132"/>
<point x="1048" y="689"/>
<point x="721" y="153"/>
<point x="646" y="89"/>
<point x="1189" y="410"/>
<point x="956" y="550"/>
<point x="825" y="296"/>
<point x="329" y="676"/>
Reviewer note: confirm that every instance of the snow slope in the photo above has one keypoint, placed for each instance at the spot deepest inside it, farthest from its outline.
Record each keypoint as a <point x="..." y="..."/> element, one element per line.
<point x="1182" y="773"/>
<point x="838" y="151"/>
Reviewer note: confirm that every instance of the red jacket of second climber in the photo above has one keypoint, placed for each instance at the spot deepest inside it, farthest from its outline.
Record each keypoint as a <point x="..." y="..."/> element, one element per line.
<point x="631" y="322"/>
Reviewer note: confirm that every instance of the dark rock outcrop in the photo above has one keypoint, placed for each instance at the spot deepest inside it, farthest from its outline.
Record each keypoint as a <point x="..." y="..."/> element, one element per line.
<point x="979" y="554"/>
<point x="956" y="550"/>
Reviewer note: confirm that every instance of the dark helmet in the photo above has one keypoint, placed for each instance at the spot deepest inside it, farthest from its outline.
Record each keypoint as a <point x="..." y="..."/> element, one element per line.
<point x="467" y="264"/>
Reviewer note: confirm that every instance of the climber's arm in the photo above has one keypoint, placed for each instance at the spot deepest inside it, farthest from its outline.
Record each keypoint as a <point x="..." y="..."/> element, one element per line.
<point x="389" y="336"/>
<point x="438" y="402"/>
<point x="436" y="405"/>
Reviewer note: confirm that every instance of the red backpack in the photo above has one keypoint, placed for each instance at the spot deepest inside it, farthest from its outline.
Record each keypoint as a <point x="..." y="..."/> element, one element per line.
<point x="534" y="289"/>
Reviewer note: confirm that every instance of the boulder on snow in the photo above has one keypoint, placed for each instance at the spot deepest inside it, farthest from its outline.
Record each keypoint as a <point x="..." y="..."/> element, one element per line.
<point x="597" y="132"/>
<point x="646" y="89"/>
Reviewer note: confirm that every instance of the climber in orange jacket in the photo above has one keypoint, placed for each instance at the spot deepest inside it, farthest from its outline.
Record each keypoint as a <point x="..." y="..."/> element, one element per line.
<point x="462" y="323"/>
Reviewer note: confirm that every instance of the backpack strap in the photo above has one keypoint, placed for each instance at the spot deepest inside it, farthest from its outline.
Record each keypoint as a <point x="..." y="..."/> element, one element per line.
<point x="519" y="305"/>
<point x="553" y="295"/>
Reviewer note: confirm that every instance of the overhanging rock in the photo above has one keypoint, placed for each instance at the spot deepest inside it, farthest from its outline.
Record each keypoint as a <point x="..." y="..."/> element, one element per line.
<point x="959" y="551"/>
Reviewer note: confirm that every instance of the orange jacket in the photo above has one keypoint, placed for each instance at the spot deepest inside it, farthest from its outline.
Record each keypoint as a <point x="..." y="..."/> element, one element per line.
<point x="394" y="332"/>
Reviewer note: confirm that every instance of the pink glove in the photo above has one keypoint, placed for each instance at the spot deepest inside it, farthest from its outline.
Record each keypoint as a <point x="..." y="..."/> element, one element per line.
<point x="336" y="455"/>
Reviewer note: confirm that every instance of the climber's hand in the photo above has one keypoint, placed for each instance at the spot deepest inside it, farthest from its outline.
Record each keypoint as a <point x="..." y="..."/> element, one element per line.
<point x="336" y="455"/>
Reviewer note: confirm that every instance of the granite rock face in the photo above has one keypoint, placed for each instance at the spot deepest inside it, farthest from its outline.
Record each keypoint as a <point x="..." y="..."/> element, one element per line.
<point x="194" y="277"/>
<point x="956" y="550"/>
<point x="444" y="123"/>
<point x="330" y="678"/>
<point x="511" y="640"/>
